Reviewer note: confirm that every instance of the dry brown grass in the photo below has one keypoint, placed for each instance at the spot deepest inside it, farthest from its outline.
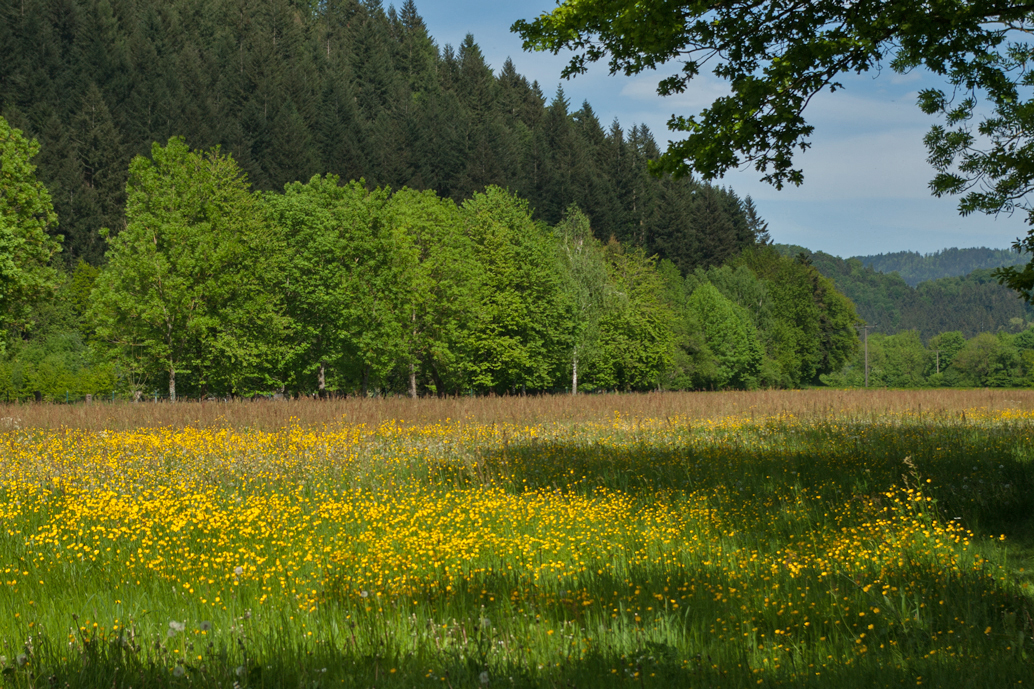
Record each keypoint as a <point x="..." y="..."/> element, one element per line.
<point x="267" y="414"/>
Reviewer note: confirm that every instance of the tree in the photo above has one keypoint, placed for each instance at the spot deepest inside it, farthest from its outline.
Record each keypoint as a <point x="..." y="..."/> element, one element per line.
<point x="339" y="280"/>
<point x="585" y="285"/>
<point x="730" y="336"/>
<point x="637" y="329"/>
<point x="813" y="331"/>
<point x="186" y="285"/>
<point x="988" y="361"/>
<point x="777" y="56"/>
<point x="27" y="220"/>
<point x="438" y="286"/>
<point x="520" y="336"/>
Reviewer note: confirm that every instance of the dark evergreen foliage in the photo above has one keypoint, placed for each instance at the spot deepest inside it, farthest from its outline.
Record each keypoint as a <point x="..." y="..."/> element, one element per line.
<point x="343" y="87"/>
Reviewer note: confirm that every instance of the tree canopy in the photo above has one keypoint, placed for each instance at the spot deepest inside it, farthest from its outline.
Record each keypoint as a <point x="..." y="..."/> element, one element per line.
<point x="777" y="56"/>
<point x="185" y="290"/>
<point x="26" y="216"/>
<point x="351" y="88"/>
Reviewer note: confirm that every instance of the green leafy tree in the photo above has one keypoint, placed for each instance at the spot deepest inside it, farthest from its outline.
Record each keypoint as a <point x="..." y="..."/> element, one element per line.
<point x="814" y="327"/>
<point x="439" y="287"/>
<point x="636" y="327"/>
<point x="745" y="289"/>
<point x="585" y="285"/>
<point x="27" y="221"/>
<point x="776" y="56"/>
<point x="186" y="287"/>
<point x="731" y="338"/>
<point x="987" y="361"/>
<point x="340" y="281"/>
<point x="906" y="360"/>
<point x="520" y="335"/>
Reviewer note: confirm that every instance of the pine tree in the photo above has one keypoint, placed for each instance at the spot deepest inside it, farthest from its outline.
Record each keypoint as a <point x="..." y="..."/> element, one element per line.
<point x="484" y="142"/>
<point x="758" y="227"/>
<point x="103" y="166"/>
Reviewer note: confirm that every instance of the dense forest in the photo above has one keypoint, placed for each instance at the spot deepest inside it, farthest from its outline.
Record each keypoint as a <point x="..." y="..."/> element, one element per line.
<point x="226" y="198"/>
<point x="970" y="304"/>
<point x="914" y="267"/>
<point x="292" y="89"/>
<point x="214" y="289"/>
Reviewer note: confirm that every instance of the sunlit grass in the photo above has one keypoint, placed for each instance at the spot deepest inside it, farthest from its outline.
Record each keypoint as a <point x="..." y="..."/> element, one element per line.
<point x="838" y="549"/>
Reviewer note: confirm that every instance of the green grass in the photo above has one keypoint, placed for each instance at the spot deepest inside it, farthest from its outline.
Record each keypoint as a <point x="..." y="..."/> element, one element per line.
<point x="734" y="554"/>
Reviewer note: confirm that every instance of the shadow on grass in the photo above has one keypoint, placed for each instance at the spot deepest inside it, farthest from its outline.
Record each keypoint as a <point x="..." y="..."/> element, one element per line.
<point x="983" y="477"/>
<point x="652" y="665"/>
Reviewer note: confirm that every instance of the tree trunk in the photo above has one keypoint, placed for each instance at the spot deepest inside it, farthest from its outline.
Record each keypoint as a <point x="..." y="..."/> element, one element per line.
<point x="321" y="380"/>
<point x="172" y="385"/>
<point x="574" y="373"/>
<point x="366" y="379"/>
<point x="412" y="365"/>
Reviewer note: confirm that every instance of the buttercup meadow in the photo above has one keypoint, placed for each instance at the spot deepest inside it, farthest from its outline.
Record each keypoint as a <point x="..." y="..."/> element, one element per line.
<point x="698" y="540"/>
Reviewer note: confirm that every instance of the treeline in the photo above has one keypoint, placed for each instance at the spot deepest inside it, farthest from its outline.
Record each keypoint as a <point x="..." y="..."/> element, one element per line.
<point x="292" y="89"/>
<point x="970" y="304"/>
<point x="914" y="267"/>
<point x="949" y="359"/>
<point x="214" y="289"/>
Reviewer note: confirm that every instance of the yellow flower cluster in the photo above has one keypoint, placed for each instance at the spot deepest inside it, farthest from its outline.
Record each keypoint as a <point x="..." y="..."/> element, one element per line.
<point x="304" y="515"/>
<point x="770" y="533"/>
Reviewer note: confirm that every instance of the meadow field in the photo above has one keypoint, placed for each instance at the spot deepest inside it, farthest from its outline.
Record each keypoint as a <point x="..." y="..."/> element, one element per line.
<point x="796" y="539"/>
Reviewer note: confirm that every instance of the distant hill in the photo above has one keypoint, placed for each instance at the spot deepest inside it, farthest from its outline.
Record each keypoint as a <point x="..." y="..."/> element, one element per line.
<point x="972" y="303"/>
<point x="914" y="267"/>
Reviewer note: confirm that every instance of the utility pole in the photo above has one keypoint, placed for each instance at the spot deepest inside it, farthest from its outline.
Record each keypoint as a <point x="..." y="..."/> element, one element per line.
<point x="865" y="331"/>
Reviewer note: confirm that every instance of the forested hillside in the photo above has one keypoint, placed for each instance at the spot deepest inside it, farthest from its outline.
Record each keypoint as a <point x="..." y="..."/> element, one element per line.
<point x="914" y="267"/>
<point x="970" y="304"/>
<point x="213" y="289"/>
<point x="291" y="89"/>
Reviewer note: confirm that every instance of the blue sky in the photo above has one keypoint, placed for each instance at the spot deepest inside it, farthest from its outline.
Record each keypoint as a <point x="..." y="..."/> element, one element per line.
<point x="866" y="175"/>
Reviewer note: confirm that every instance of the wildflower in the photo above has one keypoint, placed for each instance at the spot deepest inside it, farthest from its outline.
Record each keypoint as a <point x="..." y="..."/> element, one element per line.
<point x="179" y="671"/>
<point x="483" y="677"/>
<point x="176" y="627"/>
<point x="205" y="626"/>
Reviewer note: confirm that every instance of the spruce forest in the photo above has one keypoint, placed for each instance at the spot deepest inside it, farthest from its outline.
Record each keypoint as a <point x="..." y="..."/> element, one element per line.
<point x="239" y="198"/>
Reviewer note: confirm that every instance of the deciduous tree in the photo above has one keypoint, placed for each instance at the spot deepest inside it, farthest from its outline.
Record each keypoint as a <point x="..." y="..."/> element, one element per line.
<point x="776" y="56"/>
<point x="186" y="289"/>
<point x="27" y="224"/>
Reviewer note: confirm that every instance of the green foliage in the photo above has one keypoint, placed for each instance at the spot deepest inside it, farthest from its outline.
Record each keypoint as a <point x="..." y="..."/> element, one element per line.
<point x="186" y="290"/>
<point x="813" y="331"/>
<point x="948" y="360"/>
<point x="59" y="366"/>
<point x="440" y="287"/>
<point x="521" y="332"/>
<point x="339" y="281"/>
<point x="731" y="338"/>
<point x="776" y="58"/>
<point x="585" y="269"/>
<point x="987" y="361"/>
<point x="27" y="220"/>
<point x="636" y="326"/>
<point x="972" y="303"/>
<point x="914" y="267"/>
<point x="350" y="89"/>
